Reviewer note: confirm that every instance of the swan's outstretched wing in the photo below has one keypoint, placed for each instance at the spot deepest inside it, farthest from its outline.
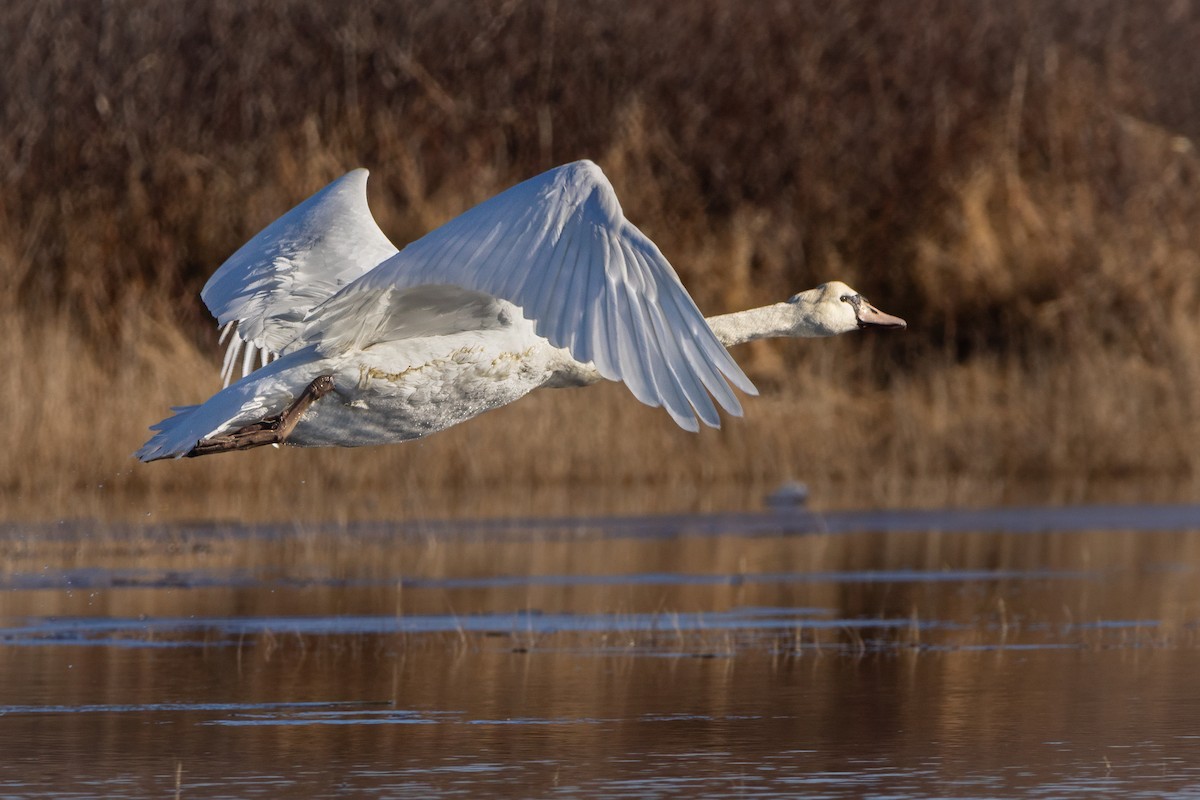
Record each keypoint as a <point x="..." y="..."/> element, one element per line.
<point x="299" y="260"/>
<point x="559" y="247"/>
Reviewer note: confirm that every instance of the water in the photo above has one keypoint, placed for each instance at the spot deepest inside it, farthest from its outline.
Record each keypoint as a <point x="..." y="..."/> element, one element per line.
<point x="1045" y="653"/>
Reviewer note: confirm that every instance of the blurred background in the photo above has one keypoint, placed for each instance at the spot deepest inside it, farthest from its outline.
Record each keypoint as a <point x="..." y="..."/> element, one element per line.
<point x="1018" y="180"/>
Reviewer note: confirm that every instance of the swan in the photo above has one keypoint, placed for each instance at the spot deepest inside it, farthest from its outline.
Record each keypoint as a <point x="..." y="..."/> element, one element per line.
<point x="345" y="340"/>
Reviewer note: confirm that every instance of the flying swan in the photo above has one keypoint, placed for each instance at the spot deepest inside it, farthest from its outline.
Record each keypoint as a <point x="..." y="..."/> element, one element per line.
<point x="545" y="285"/>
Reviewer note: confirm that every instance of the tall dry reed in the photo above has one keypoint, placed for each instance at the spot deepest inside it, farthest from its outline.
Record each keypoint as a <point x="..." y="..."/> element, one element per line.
<point x="1019" y="182"/>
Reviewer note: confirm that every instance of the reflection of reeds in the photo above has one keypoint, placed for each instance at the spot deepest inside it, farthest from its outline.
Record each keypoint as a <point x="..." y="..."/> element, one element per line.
<point x="847" y="592"/>
<point x="1019" y="184"/>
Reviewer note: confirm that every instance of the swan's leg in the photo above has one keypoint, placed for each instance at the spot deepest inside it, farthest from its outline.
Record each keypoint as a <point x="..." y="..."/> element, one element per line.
<point x="270" y="430"/>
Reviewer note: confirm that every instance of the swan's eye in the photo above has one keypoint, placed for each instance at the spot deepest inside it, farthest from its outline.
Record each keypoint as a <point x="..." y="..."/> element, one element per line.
<point x="847" y="298"/>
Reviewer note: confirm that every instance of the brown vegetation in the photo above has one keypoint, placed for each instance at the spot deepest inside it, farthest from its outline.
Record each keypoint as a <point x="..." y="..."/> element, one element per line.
<point x="1019" y="182"/>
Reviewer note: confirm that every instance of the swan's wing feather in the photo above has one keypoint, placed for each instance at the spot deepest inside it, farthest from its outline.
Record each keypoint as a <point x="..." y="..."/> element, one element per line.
<point x="689" y="386"/>
<point x="559" y="246"/>
<point x="267" y="287"/>
<point x="396" y="313"/>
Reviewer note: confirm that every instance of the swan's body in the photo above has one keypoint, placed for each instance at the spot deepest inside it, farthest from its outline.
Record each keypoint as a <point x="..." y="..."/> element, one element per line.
<point x="544" y="285"/>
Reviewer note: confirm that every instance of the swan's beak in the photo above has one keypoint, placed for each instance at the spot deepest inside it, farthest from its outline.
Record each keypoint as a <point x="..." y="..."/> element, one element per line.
<point x="871" y="317"/>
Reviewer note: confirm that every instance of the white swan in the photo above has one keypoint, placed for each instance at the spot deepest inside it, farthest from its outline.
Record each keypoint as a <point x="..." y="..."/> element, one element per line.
<point x="545" y="285"/>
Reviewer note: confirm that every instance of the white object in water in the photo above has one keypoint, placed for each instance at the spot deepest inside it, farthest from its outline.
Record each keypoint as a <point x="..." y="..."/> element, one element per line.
<point x="788" y="495"/>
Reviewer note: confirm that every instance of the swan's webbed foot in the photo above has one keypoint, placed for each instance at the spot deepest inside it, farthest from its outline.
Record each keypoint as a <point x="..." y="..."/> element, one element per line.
<point x="269" y="430"/>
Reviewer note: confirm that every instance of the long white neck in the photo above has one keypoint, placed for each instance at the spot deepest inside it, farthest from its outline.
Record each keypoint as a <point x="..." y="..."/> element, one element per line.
<point x="770" y="322"/>
<point x="800" y="317"/>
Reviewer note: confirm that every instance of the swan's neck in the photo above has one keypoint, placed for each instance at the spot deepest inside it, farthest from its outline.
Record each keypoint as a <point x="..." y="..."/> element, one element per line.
<point x="769" y="322"/>
<point x="797" y="318"/>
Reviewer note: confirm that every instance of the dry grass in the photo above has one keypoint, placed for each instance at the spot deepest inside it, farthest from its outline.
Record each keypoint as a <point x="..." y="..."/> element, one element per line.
<point x="1020" y="184"/>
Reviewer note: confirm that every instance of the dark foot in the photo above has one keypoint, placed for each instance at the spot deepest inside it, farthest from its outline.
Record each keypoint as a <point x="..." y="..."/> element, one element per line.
<point x="270" y="430"/>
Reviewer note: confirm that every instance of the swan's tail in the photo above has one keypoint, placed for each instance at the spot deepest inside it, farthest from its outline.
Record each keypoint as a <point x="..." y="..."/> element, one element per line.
<point x="176" y="435"/>
<point x="260" y="394"/>
<point x="168" y="431"/>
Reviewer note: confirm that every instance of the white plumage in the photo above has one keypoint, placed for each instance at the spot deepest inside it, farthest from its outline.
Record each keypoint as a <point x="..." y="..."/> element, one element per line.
<point x="266" y="288"/>
<point x="546" y="284"/>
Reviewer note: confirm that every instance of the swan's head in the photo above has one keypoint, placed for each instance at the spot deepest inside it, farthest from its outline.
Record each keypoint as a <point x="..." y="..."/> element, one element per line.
<point x="834" y="308"/>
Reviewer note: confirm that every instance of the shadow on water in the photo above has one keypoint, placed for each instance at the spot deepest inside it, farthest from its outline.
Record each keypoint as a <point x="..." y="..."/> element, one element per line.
<point x="1045" y="652"/>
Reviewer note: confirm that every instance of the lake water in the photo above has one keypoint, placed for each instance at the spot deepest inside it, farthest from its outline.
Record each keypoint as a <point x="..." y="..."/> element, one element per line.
<point x="1020" y="652"/>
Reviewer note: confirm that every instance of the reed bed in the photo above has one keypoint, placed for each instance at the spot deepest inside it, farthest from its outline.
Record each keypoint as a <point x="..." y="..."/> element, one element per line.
<point x="1018" y="182"/>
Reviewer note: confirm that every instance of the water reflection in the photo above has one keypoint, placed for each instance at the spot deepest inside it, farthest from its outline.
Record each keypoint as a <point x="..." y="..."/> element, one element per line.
<point x="323" y="663"/>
